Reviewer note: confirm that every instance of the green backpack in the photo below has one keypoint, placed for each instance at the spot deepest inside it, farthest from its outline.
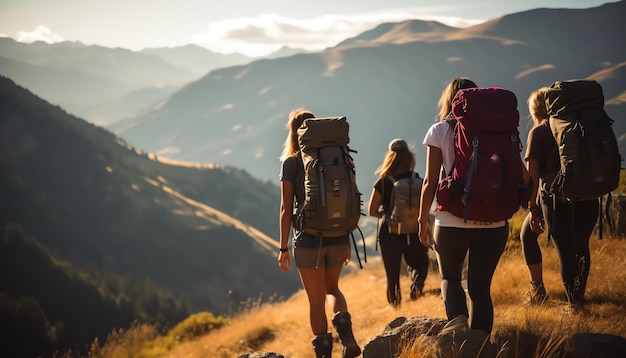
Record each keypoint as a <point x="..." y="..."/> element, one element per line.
<point x="588" y="152"/>
<point x="332" y="201"/>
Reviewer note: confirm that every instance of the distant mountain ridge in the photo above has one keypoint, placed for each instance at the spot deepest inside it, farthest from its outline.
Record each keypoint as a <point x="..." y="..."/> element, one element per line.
<point x="403" y="32"/>
<point x="387" y="82"/>
<point x="85" y="79"/>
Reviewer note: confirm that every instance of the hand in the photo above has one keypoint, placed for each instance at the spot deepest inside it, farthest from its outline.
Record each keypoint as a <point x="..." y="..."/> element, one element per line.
<point x="536" y="225"/>
<point x="284" y="260"/>
<point x="536" y="221"/>
<point x="426" y="236"/>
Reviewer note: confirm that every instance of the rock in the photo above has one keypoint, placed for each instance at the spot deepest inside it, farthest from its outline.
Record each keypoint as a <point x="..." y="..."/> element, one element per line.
<point x="262" y="355"/>
<point x="596" y="345"/>
<point x="401" y="329"/>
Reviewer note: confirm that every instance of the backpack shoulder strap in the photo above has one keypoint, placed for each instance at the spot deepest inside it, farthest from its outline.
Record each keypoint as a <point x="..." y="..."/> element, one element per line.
<point x="294" y="164"/>
<point x="452" y="122"/>
<point x="382" y="199"/>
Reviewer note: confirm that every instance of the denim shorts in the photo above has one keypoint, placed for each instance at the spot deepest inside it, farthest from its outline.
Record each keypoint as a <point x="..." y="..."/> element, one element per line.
<point x="331" y="256"/>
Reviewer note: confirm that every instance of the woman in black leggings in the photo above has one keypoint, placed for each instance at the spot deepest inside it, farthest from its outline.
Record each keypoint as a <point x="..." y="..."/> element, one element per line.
<point x="398" y="163"/>
<point x="485" y="246"/>
<point x="453" y="238"/>
<point x="536" y="294"/>
<point x="569" y="224"/>
<point x="539" y="167"/>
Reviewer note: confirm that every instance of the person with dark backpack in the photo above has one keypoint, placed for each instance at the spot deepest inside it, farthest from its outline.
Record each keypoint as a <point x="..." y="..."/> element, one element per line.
<point x="319" y="199"/>
<point x="578" y="137"/>
<point x="395" y="198"/>
<point x="475" y="145"/>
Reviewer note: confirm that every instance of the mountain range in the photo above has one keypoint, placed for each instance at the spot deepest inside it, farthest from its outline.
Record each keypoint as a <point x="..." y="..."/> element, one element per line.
<point x="104" y="84"/>
<point x="386" y="82"/>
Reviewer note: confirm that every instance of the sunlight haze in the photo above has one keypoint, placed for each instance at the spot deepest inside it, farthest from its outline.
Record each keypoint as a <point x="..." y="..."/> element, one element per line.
<point x="248" y="27"/>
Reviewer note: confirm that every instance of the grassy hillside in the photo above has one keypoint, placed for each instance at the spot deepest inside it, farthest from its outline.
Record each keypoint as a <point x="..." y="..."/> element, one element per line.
<point x="519" y="331"/>
<point x="95" y="234"/>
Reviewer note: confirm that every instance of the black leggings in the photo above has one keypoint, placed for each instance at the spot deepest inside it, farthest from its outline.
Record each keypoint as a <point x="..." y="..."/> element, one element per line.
<point x="530" y="246"/>
<point x="485" y="247"/>
<point x="571" y="225"/>
<point x="392" y="248"/>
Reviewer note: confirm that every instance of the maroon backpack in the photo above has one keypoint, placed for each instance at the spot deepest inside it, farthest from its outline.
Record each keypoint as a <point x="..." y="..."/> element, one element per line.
<point x="486" y="182"/>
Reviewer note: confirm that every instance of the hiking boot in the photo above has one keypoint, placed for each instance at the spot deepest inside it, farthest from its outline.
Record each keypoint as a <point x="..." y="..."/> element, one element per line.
<point x="323" y="345"/>
<point x="417" y="291"/>
<point x="457" y="324"/>
<point x="537" y="293"/>
<point x="343" y="324"/>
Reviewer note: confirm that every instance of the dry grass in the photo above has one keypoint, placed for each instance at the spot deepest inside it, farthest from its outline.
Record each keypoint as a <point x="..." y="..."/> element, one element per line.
<point x="288" y="321"/>
<point x="519" y="330"/>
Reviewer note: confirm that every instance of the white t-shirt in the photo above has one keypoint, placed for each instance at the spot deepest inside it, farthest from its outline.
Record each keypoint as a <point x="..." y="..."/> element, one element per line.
<point x="441" y="135"/>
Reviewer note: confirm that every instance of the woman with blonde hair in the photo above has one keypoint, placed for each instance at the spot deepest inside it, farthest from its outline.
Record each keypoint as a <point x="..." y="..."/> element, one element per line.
<point x="533" y="223"/>
<point x="569" y="224"/>
<point x="319" y="263"/>
<point x="398" y="164"/>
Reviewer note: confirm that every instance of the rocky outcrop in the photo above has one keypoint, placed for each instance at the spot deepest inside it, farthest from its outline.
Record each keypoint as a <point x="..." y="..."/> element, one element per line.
<point x="262" y="355"/>
<point x="399" y="332"/>
<point x="597" y="345"/>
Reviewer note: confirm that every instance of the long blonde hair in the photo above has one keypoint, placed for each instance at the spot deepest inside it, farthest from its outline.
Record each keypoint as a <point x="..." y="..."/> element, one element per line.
<point x="296" y="118"/>
<point x="537" y="106"/>
<point x="448" y="93"/>
<point x="398" y="159"/>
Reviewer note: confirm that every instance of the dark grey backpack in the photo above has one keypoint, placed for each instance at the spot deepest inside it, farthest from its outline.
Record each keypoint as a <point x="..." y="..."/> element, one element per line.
<point x="588" y="152"/>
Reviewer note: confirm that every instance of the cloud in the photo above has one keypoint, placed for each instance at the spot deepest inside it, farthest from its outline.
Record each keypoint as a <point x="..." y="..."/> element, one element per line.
<point x="41" y="33"/>
<point x="261" y="35"/>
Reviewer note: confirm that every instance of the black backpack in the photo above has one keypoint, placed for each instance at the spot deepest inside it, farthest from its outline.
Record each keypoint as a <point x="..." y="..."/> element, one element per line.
<point x="588" y="151"/>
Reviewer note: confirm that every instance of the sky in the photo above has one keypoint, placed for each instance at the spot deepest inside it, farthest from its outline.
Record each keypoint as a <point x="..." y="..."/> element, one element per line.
<point x="252" y="27"/>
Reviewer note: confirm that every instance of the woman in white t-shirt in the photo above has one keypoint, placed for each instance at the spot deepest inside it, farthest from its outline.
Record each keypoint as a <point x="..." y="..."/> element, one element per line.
<point x="452" y="238"/>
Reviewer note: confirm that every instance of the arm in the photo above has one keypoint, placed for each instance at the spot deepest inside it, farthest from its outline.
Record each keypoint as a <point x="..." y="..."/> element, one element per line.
<point x="536" y="222"/>
<point x="285" y="218"/>
<point x="433" y="166"/>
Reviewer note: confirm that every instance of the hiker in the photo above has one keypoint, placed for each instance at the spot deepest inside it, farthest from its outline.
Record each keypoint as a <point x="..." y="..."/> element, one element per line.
<point x="397" y="165"/>
<point x="569" y="224"/>
<point x="319" y="263"/>
<point x="453" y="236"/>
<point x="539" y="166"/>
